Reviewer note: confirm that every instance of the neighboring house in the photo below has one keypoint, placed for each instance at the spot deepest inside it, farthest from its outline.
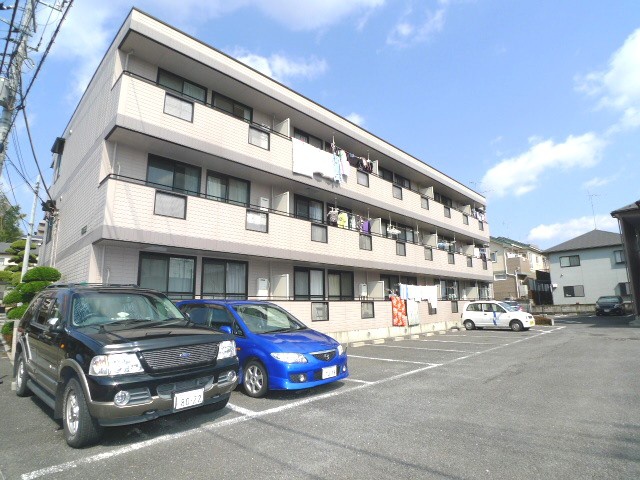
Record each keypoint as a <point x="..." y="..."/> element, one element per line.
<point x="520" y="271"/>
<point x="187" y="171"/>
<point x="587" y="267"/>
<point x="629" y="220"/>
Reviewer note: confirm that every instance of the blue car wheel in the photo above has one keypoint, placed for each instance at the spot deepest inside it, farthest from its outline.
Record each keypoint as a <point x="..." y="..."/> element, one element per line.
<point x="256" y="379"/>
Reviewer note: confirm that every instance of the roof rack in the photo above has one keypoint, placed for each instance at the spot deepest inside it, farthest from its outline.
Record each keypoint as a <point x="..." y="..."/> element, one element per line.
<point x="87" y="284"/>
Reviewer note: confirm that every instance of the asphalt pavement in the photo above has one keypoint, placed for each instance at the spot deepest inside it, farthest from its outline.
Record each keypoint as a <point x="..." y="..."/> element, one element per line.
<point x="554" y="402"/>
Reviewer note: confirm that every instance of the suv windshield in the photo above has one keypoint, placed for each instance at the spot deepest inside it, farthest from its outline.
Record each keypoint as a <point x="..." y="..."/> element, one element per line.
<point x="101" y="307"/>
<point x="267" y="318"/>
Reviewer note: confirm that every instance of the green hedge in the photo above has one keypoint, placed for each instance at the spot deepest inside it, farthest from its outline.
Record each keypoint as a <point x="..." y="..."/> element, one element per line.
<point x="48" y="274"/>
<point x="7" y="328"/>
<point x="17" y="312"/>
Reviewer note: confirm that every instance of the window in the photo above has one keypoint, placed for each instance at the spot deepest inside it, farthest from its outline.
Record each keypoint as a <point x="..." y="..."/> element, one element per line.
<point x="182" y="86"/>
<point x="480" y="224"/>
<point x="178" y="107"/>
<point x="257" y="221"/>
<point x="173" y="175"/>
<point x="446" y="201"/>
<point x="232" y="107"/>
<point x="227" y="189"/>
<point x="318" y="233"/>
<point x="401" y="249"/>
<point x="465" y="219"/>
<point x="469" y="261"/>
<point x="306" y="138"/>
<point x="49" y="230"/>
<point x="171" y="274"/>
<point x="484" y="265"/>
<point x="428" y="253"/>
<point x="224" y="279"/>
<point x="424" y="203"/>
<point x="308" y="209"/>
<point x="570" y="261"/>
<point x="574" y="291"/>
<point x="319" y="311"/>
<point x="447" y="211"/>
<point x="308" y="284"/>
<point x="451" y="257"/>
<point x="367" y="310"/>
<point x="363" y="178"/>
<point x="397" y="192"/>
<point x="401" y="181"/>
<point x="170" y="205"/>
<point x="499" y="276"/>
<point x="619" y="256"/>
<point x="494" y="256"/>
<point x="340" y="285"/>
<point x="259" y="138"/>
<point x="365" y="242"/>
<point x="385" y="174"/>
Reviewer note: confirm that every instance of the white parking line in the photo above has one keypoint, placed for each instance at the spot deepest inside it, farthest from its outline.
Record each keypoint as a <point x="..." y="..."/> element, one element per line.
<point x="423" y="348"/>
<point x="469" y="343"/>
<point x="393" y="360"/>
<point x="240" y="410"/>
<point x="63" y="467"/>
<point x="348" y="379"/>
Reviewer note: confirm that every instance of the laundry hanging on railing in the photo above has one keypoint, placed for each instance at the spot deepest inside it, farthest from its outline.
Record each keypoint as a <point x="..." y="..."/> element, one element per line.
<point x="309" y="160"/>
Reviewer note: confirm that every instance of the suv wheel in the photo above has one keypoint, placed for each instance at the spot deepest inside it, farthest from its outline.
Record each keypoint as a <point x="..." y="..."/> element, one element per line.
<point x="21" y="377"/>
<point x="80" y="428"/>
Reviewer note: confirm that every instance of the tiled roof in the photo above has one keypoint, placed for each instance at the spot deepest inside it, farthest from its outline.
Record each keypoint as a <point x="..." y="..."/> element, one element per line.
<point x="509" y="241"/>
<point x="592" y="239"/>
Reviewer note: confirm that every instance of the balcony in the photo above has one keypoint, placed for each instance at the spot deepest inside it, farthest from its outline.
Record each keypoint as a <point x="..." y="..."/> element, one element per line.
<point x="140" y="213"/>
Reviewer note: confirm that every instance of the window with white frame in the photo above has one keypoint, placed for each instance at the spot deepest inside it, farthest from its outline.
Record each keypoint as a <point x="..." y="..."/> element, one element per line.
<point x="574" y="291"/>
<point x="570" y="261"/>
<point x="618" y="255"/>
<point x="257" y="221"/>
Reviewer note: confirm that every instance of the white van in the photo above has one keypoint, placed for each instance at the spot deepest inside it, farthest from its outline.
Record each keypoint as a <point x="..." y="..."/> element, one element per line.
<point x="493" y="314"/>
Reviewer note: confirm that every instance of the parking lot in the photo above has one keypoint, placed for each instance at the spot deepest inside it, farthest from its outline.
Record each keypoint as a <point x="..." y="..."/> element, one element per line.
<point x="553" y="402"/>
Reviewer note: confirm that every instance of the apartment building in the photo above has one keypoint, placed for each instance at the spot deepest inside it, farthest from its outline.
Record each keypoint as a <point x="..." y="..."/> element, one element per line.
<point x="185" y="170"/>
<point x="520" y="271"/>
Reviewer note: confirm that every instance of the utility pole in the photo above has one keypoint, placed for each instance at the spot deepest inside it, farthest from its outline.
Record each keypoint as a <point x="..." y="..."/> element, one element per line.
<point x="11" y="85"/>
<point x="591" y="195"/>
<point x="27" y="248"/>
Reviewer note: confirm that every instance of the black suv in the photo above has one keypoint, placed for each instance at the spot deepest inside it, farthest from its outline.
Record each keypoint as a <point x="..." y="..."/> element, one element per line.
<point x="116" y="355"/>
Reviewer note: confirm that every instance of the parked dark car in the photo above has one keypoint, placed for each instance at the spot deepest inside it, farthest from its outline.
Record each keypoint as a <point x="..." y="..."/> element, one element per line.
<point x="116" y="355"/>
<point x="276" y="350"/>
<point x="610" y="305"/>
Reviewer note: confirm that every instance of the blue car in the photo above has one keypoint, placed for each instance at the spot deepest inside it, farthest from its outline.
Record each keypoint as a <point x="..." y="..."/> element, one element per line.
<point x="276" y="350"/>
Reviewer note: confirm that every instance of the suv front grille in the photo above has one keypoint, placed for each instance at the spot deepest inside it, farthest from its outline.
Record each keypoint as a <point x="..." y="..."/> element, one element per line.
<point x="178" y="357"/>
<point x="325" y="356"/>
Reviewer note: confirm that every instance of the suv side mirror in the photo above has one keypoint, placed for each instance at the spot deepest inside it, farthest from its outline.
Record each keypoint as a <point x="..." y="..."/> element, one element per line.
<point x="55" y="326"/>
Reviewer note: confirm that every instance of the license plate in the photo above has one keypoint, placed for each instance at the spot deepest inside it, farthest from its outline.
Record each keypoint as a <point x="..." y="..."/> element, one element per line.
<point x="188" y="399"/>
<point x="328" y="372"/>
<point x="607" y="310"/>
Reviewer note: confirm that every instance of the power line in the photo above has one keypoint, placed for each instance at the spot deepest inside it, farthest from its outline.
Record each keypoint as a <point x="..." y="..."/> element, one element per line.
<point x="33" y="150"/>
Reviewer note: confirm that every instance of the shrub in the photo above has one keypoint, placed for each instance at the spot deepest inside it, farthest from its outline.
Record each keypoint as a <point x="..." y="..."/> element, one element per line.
<point x="17" y="312"/>
<point x="48" y="274"/>
<point x="12" y="297"/>
<point x="7" y="328"/>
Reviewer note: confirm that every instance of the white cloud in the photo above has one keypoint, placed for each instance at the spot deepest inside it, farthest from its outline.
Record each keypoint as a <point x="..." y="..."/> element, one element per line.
<point x="598" y="182"/>
<point x="409" y="30"/>
<point x="519" y="175"/>
<point x="355" y="118"/>
<point x="618" y="86"/>
<point x="281" y="68"/>
<point x="556" y="233"/>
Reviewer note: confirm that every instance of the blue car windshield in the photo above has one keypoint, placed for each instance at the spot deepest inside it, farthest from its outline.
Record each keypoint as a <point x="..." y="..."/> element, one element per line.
<point x="261" y="318"/>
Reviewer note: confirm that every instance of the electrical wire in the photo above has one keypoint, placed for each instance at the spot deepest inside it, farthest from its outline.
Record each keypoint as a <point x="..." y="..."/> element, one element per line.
<point x="13" y="193"/>
<point x="33" y="150"/>
<point x="6" y="45"/>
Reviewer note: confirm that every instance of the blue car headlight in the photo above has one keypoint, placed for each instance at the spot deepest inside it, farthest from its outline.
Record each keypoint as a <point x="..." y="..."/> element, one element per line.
<point x="340" y="350"/>
<point x="289" y="357"/>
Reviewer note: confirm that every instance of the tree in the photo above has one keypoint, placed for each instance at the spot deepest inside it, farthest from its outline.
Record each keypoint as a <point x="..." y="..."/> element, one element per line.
<point x="10" y="217"/>
<point x="34" y="280"/>
<point x="16" y="250"/>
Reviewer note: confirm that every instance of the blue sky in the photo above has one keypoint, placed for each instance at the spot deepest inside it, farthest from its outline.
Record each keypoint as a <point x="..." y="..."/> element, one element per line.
<point x="534" y="104"/>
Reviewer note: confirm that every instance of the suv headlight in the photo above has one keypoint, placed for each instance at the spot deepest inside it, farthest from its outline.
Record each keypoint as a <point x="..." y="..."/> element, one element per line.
<point x="289" y="357"/>
<point x="115" y="364"/>
<point x="227" y="349"/>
